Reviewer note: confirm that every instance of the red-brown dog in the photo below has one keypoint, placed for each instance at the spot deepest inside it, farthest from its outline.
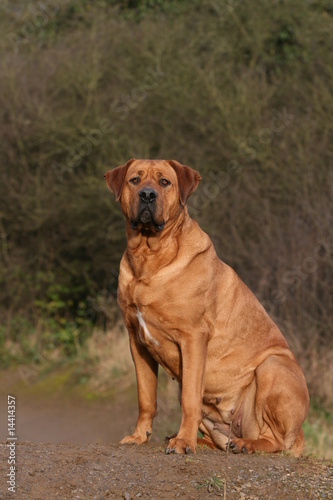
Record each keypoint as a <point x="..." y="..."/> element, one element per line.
<point x="189" y="312"/>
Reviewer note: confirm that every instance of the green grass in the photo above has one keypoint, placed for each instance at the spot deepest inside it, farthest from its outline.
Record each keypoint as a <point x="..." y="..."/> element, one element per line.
<point x="318" y="432"/>
<point x="214" y="484"/>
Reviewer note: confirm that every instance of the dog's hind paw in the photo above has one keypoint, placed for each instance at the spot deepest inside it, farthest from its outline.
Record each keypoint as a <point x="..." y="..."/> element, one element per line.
<point x="240" y="446"/>
<point x="171" y="436"/>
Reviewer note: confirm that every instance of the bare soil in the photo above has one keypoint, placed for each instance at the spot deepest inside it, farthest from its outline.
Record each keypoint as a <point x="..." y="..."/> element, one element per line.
<point x="102" y="471"/>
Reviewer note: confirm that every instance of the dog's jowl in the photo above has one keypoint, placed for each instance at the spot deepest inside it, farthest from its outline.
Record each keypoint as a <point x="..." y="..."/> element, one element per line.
<point x="189" y="312"/>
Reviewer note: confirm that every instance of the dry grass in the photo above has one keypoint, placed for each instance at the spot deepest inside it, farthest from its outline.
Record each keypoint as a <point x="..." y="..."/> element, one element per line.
<point x="112" y="361"/>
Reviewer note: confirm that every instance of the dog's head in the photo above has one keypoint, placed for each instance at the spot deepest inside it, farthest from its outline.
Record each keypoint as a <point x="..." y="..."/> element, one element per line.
<point x="152" y="192"/>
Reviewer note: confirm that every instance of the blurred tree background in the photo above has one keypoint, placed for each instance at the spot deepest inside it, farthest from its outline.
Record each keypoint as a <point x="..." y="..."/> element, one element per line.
<point x="239" y="90"/>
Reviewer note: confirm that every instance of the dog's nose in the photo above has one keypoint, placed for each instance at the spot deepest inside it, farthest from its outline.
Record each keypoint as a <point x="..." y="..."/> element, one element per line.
<point x="147" y="195"/>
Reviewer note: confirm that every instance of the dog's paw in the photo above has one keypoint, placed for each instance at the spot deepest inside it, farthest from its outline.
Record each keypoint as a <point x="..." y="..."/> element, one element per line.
<point x="168" y="438"/>
<point x="179" y="446"/>
<point x="136" y="438"/>
<point x="238" y="445"/>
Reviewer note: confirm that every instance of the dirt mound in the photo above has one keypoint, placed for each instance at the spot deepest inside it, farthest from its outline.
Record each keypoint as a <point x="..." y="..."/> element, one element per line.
<point x="71" y="471"/>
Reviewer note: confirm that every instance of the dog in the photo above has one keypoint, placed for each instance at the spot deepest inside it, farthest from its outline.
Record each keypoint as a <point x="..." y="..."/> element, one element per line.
<point x="186" y="310"/>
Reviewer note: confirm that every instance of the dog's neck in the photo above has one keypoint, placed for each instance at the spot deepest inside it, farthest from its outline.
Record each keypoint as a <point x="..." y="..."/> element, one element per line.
<point x="147" y="251"/>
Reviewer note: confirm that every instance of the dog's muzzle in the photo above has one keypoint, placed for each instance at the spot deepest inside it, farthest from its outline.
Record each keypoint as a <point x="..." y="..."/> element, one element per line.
<point x="147" y="205"/>
<point x="147" y="195"/>
<point x="146" y="211"/>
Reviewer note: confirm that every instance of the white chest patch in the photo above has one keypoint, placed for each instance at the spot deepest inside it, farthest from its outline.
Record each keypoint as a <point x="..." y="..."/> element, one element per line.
<point x="147" y="335"/>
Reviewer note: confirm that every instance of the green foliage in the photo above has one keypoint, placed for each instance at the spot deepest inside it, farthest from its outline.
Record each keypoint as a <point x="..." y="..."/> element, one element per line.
<point x="214" y="485"/>
<point x="283" y="45"/>
<point x="317" y="430"/>
<point x="66" y="320"/>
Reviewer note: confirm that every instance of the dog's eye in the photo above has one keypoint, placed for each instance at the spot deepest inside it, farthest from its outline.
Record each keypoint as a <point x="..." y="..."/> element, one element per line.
<point x="164" y="182"/>
<point x="135" y="180"/>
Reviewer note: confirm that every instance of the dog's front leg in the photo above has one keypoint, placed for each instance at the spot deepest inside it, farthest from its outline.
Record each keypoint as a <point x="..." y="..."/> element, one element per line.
<point x="193" y="354"/>
<point x="146" y="374"/>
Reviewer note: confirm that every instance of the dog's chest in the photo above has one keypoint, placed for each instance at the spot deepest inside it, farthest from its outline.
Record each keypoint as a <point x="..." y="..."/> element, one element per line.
<point x="154" y="335"/>
<point x="143" y="301"/>
<point x="144" y="333"/>
<point x="145" y="314"/>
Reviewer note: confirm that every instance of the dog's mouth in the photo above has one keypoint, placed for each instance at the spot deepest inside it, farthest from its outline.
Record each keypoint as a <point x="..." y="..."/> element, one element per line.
<point x="146" y="221"/>
<point x="146" y="216"/>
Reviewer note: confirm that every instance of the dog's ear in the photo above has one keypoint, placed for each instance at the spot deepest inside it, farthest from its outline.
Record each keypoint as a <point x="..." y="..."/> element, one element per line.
<point x="115" y="178"/>
<point x="188" y="180"/>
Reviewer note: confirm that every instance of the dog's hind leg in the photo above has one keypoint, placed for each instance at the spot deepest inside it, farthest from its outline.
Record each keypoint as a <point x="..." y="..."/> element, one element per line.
<point x="281" y="405"/>
<point x="212" y="436"/>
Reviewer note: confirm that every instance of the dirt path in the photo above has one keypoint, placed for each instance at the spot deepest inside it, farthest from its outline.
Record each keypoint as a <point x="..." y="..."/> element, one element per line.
<point x="77" y="469"/>
<point x="59" y="421"/>
<point x="69" y="471"/>
<point x="48" y="414"/>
